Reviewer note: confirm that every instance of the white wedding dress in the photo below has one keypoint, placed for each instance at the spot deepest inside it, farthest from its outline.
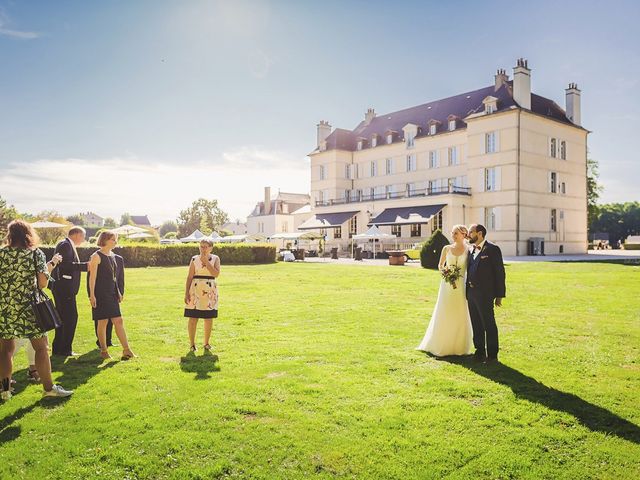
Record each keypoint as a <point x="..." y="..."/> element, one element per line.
<point x="449" y="331"/>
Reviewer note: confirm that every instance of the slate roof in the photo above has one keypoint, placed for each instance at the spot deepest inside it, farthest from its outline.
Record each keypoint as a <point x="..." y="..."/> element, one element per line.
<point x="140" y="220"/>
<point x="461" y="106"/>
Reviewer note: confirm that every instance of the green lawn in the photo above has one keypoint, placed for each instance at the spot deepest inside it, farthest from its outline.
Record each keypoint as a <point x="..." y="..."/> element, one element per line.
<point x="315" y="374"/>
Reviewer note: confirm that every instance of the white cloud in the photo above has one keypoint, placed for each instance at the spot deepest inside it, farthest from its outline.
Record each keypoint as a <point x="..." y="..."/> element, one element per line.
<point x="110" y="187"/>
<point x="8" y="32"/>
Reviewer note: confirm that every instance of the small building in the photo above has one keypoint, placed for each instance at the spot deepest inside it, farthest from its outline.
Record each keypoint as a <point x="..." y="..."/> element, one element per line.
<point x="141" y="220"/>
<point x="236" y="228"/>
<point x="276" y="214"/>
<point x="92" y="220"/>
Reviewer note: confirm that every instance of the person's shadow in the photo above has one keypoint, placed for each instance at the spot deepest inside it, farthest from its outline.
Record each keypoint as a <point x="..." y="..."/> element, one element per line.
<point x="75" y="372"/>
<point x="593" y="417"/>
<point x="201" y="365"/>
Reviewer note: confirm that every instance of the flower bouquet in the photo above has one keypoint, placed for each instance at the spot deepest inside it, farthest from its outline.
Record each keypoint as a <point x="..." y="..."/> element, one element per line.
<point x="451" y="274"/>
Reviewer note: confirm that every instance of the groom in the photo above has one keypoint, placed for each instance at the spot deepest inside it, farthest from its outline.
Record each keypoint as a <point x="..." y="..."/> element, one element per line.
<point x="485" y="286"/>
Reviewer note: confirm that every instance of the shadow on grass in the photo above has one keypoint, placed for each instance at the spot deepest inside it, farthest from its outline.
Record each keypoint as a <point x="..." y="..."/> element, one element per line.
<point x="201" y="365"/>
<point x="593" y="417"/>
<point x="75" y="372"/>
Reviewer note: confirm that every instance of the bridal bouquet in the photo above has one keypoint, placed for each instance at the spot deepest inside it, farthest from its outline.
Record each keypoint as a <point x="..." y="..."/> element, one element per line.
<point x="451" y="274"/>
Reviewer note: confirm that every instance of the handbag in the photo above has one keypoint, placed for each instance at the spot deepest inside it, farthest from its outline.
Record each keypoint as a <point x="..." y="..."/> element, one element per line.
<point x="47" y="317"/>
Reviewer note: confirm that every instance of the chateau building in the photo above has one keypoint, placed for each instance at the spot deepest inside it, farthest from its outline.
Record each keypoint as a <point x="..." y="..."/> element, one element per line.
<point x="500" y="155"/>
<point x="281" y="213"/>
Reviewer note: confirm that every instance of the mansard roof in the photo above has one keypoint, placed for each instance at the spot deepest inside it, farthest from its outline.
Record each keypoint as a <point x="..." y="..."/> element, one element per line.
<point x="459" y="106"/>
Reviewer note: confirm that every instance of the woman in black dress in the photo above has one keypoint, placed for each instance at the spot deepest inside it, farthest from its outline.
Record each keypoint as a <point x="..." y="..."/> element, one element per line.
<point x="104" y="294"/>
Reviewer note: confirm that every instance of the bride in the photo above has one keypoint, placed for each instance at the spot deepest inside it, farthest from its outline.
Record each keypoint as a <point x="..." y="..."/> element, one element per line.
<point x="449" y="331"/>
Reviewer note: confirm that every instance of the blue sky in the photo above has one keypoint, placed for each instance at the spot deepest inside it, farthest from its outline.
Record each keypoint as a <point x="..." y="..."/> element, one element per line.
<point x="144" y="106"/>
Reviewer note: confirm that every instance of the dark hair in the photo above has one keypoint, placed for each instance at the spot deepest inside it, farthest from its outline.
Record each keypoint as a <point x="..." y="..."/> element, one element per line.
<point x="21" y="234"/>
<point x="480" y="228"/>
<point x="74" y="230"/>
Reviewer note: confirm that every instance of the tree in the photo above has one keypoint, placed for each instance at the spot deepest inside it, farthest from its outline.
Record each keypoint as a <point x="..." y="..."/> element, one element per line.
<point x="594" y="189"/>
<point x="76" y="220"/>
<point x="168" y="226"/>
<point x="619" y="220"/>
<point x="430" y="253"/>
<point x="109" y="223"/>
<point x="50" y="236"/>
<point x="125" y="219"/>
<point x="7" y="214"/>
<point x="204" y="215"/>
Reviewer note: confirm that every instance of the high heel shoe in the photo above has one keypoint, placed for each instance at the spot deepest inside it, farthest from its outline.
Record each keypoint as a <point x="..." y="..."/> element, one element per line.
<point x="105" y="354"/>
<point x="128" y="355"/>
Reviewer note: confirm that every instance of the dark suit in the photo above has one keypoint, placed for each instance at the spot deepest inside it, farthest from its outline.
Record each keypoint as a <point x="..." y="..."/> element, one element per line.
<point x="65" y="288"/>
<point x="485" y="283"/>
<point x="120" y="281"/>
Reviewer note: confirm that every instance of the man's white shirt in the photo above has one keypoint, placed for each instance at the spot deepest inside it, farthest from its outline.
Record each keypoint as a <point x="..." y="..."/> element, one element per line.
<point x="476" y="251"/>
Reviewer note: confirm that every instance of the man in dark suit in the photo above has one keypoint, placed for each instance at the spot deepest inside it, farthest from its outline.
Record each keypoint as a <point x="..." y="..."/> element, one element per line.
<point x="485" y="287"/>
<point x="65" y="288"/>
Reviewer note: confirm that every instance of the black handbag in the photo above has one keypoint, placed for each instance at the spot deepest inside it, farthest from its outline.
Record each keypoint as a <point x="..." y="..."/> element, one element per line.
<point x="47" y="317"/>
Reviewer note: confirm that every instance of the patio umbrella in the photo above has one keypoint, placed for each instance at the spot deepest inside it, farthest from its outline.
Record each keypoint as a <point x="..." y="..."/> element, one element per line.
<point x="128" y="230"/>
<point x="374" y="233"/>
<point x="47" y="224"/>
<point x="141" y="235"/>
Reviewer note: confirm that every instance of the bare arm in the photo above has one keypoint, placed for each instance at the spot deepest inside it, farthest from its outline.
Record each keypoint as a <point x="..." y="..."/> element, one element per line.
<point x="192" y="272"/>
<point x="94" y="261"/>
<point x="443" y="257"/>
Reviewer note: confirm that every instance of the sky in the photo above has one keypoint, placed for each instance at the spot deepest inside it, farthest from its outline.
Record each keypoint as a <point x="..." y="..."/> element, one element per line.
<point x="144" y="106"/>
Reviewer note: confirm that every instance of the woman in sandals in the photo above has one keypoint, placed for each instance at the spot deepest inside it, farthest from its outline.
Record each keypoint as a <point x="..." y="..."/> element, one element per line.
<point x="201" y="292"/>
<point x="106" y="284"/>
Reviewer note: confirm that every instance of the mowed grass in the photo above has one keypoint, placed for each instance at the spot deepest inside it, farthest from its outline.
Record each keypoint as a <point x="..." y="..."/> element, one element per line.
<point x="315" y="375"/>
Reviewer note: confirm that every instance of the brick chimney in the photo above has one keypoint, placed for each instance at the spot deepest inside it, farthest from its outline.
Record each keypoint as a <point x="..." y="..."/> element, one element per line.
<point x="522" y="84"/>
<point x="324" y="130"/>
<point x="267" y="200"/>
<point x="501" y="79"/>
<point x="370" y="115"/>
<point x="573" y="103"/>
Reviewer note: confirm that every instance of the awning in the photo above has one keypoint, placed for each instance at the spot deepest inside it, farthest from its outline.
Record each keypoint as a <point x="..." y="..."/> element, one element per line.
<point x="406" y="215"/>
<point x="326" y="220"/>
<point x="296" y="236"/>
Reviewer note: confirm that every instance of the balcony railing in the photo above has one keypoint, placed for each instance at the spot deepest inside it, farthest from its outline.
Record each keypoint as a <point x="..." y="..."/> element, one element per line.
<point x="425" y="192"/>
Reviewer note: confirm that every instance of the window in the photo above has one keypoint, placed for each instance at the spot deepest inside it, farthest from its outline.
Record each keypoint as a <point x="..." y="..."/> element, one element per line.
<point x="374" y="168"/>
<point x="355" y="195"/>
<point x="553" y="179"/>
<point x="347" y="171"/>
<point x="563" y="150"/>
<point x="411" y="189"/>
<point x="390" y="138"/>
<point x="389" y="166"/>
<point x="325" y="196"/>
<point x="337" y="232"/>
<point x="554" y="222"/>
<point x="323" y="232"/>
<point x="490" y="218"/>
<point x="433" y="159"/>
<point x="553" y="148"/>
<point x="359" y="145"/>
<point x="490" y="179"/>
<point x="353" y="226"/>
<point x="379" y="192"/>
<point x="411" y="163"/>
<point x="416" y="230"/>
<point x="490" y="142"/>
<point x="488" y="108"/>
<point x="396" y="230"/>
<point x="452" y="156"/>
<point x="563" y="189"/>
<point x="323" y="172"/>
<point x="432" y="129"/>
<point x="411" y="139"/>
<point x="374" y="141"/>
<point x="285" y="226"/>
<point x="452" y="125"/>
<point x="437" y="222"/>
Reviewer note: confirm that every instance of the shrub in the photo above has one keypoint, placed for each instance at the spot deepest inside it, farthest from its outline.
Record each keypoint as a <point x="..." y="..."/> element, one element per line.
<point x="171" y="235"/>
<point x="145" y="255"/>
<point x="431" y="249"/>
<point x="632" y="246"/>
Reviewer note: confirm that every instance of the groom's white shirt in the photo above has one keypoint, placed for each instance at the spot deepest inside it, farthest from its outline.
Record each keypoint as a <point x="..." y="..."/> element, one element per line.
<point x="476" y="252"/>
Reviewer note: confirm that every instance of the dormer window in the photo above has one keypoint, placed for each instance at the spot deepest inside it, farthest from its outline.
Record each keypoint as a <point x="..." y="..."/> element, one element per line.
<point x="374" y="141"/>
<point x="411" y="137"/>
<point x="359" y="145"/>
<point x="452" y="125"/>
<point x="432" y="129"/>
<point x="410" y="131"/>
<point x="488" y="109"/>
<point x="389" y="138"/>
<point x="490" y="105"/>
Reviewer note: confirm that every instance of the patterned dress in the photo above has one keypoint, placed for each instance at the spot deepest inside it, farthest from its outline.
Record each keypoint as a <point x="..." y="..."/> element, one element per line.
<point x="203" y="291"/>
<point x="17" y="283"/>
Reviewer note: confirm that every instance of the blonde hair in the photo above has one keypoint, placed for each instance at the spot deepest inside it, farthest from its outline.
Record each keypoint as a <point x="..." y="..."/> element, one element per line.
<point x="460" y="228"/>
<point x="106" y="235"/>
<point x="208" y="241"/>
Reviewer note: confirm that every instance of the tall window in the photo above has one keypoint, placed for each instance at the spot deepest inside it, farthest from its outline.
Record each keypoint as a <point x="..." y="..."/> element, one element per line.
<point x="389" y="166"/>
<point x="411" y="189"/>
<point x="323" y="172"/>
<point x="437" y="222"/>
<point x="490" y="179"/>
<point x="416" y="230"/>
<point x="390" y="138"/>
<point x="374" y="168"/>
<point x="359" y="145"/>
<point x="411" y="163"/>
<point x="490" y="142"/>
<point x="488" y="108"/>
<point x="452" y="125"/>
<point x="432" y="129"/>
<point x="347" y="171"/>
<point x="553" y="148"/>
<point x="410" y="139"/>
<point x="563" y="188"/>
<point x="374" y="141"/>
<point x="353" y="226"/>
<point x="554" y="220"/>
<point x="553" y="182"/>
<point x="490" y="218"/>
<point x="337" y="232"/>
<point x="563" y="150"/>
<point x="433" y="159"/>
<point x="285" y="227"/>
<point x="396" y="230"/>
<point x="453" y="155"/>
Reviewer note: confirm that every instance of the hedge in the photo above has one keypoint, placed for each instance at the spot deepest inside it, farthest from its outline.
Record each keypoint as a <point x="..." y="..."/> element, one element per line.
<point x="632" y="246"/>
<point x="141" y="255"/>
<point x="431" y="250"/>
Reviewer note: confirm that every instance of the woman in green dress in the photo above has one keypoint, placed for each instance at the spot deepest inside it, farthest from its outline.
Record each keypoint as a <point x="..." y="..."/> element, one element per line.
<point x="22" y="265"/>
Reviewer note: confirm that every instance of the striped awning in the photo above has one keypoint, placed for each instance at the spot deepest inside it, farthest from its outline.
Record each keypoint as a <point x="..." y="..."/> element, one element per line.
<point x="326" y="220"/>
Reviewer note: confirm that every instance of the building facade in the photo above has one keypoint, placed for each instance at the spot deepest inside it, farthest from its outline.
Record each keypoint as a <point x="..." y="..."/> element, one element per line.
<point x="501" y="156"/>
<point x="92" y="220"/>
<point x="277" y="214"/>
<point x="236" y="228"/>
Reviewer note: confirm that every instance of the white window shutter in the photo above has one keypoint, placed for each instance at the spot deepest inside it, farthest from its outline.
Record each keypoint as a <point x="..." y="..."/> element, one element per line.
<point x="498" y="178"/>
<point x="497" y="141"/>
<point x="483" y="146"/>
<point x="549" y="183"/>
<point x="483" y="177"/>
<point x="498" y="212"/>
